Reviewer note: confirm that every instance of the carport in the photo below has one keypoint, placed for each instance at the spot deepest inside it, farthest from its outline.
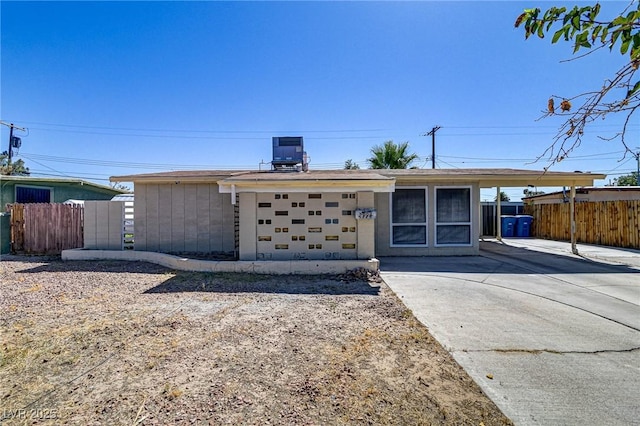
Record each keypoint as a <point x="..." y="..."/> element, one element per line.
<point x="505" y="178"/>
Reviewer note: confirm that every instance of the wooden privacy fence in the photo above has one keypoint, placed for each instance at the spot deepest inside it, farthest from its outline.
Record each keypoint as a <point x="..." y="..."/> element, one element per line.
<point x="46" y="228"/>
<point x="609" y="223"/>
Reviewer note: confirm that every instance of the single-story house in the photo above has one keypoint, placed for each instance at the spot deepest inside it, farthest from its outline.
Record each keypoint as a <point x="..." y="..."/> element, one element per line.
<point x="27" y="189"/>
<point x="593" y="194"/>
<point x="322" y="214"/>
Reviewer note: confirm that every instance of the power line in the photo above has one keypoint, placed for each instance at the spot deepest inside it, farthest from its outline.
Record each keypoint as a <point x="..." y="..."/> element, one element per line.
<point x="50" y="168"/>
<point x="526" y="127"/>
<point x="204" y="131"/>
<point x="179" y="136"/>
<point x="536" y="160"/>
<point x="142" y="129"/>
<point x="247" y="135"/>
<point x="620" y="165"/>
<point x="336" y="165"/>
<point x="39" y="173"/>
<point x="138" y="165"/>
<point x="108" y="163"/>
<point x="448" y="164"/>
<point x="530" y="159"/>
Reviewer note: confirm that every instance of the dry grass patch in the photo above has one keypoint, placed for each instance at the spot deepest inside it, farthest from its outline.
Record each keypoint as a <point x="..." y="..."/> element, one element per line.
<point x="133" y="343"/>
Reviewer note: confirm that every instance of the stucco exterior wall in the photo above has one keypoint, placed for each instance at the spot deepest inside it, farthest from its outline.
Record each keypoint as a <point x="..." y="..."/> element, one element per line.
<point x="177" y="218"/>
<point x="383" y="224"/>
<point x="247" y="239"/>
<point x="366" y="227"/>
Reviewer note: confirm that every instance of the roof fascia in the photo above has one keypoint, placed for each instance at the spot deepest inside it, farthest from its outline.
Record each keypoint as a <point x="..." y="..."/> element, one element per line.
<point x="386" y="185"/>
<point x="26" y="180"/>
<point x="540" y="181"/>
<point x="519" y="180"/>
<point x="167" y="179"/>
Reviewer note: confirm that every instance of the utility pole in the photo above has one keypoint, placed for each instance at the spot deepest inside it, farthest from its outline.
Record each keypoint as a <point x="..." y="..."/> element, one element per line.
<point x="12" y="143"/>
<point x="432" y="133"/>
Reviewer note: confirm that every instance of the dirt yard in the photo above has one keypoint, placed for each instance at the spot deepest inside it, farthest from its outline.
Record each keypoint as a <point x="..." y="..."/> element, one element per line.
<point x="130" y="343"/>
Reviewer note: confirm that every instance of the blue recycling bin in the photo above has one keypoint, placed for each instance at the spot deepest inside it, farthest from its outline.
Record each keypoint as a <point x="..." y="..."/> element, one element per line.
<point x="523" y="225"/>
<point x="508" y="225"/>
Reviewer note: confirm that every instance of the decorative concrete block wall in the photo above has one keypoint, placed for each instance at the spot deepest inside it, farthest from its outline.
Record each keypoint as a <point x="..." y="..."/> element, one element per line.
<point x="305" y="226"/>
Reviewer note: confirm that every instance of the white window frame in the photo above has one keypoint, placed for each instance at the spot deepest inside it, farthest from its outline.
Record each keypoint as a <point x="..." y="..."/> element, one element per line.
<point x="426" y="214"/>
<point x="15" y="191"/>
<point x="435" y="217"/>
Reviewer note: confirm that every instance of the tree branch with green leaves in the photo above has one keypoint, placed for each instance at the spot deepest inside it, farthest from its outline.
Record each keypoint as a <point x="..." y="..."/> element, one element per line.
<point x="15" y="168"/>
<point x="619" y="94"/>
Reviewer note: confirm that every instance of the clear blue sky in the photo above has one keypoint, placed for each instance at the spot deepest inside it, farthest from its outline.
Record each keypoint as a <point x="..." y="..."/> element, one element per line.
<point x="111" y="88"/>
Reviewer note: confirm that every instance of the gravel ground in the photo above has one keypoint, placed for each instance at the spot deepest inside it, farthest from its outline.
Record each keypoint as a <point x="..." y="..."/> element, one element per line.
<point x="135" y="343"/>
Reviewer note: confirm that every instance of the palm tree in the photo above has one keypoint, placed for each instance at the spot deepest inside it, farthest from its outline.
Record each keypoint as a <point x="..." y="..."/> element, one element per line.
<point x="503" y="197"/>
<point x="351" y="165"/>
<point x="391" y="156"/>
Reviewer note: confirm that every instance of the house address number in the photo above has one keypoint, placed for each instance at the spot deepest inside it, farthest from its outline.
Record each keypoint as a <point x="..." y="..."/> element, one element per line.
<point x="365" y="213"/>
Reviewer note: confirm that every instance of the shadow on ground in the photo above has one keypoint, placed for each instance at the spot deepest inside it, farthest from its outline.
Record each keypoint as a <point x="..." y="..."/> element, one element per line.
<point x="219" y="282"/>
<point x="498" y="258"/>
<point x="185" y="282"/>
<point x="53" y="264"/>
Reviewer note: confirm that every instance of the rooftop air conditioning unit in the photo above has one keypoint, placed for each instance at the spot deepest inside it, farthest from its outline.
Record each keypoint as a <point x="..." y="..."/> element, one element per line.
<point x="287" y="151"/>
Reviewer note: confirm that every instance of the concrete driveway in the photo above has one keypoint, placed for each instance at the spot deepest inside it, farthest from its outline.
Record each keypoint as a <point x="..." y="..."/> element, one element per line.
<point x="552" y="338"/>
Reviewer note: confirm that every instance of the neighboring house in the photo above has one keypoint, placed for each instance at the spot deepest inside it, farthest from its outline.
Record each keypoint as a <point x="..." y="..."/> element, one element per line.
<point x="605" y="216"/>
<point x="322" y="214"/>
<point x="27" y="189"/>
<point x="607" y="193"/>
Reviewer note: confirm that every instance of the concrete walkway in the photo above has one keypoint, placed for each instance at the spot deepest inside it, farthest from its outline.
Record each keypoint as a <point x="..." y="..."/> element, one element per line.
<point x="551" y="337"/>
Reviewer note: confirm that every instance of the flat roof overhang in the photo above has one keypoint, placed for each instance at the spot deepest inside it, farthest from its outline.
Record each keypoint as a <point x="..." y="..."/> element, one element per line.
<point x="490" y="178"/>
<point x="541" y="182"/>
<point x="376" y="180"/>
<point x="180" y="176"/>
<point x="306" y="185"/>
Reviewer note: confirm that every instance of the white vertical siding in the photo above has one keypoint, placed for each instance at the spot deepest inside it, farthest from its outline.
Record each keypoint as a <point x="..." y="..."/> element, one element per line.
<point x="103" y="225"/>
<point x="138" y="228"/>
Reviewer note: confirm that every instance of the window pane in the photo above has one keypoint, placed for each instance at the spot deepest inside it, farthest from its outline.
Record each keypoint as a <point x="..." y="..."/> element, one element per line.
<point x="410" y="234"/>
<point x="453" y="234"/>
<point x="32" y="195"/>
<point x="454" y="205"/>
<point x="408" y="206"/>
